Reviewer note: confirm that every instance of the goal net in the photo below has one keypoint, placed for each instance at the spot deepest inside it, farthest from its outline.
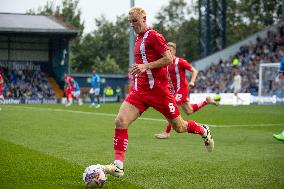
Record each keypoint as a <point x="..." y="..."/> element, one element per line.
<point x="269" y="82"/>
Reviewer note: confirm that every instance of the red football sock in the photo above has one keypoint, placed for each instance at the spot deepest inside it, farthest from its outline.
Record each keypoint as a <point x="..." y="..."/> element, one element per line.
<point x="195" y="128"/>
<point x="68" y="97"/>
<point x="120" y="142"/>
<point x="198" y="106"/>
<point x="168" y="128"/>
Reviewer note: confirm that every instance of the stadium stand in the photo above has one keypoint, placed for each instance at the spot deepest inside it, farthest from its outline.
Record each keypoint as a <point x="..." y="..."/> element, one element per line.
<point x="34" y="55"/>
<point x="218" y="77"/>
<point x="26" y="84"/>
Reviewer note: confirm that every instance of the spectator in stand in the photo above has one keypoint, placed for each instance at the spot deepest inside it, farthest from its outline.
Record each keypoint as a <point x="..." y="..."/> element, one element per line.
<point x="108" y="91"/>
<point x="236" y="61"/>
<point x="118" y="93"/>
<point x="26" y="84"/>
<point x="250" y="56"/>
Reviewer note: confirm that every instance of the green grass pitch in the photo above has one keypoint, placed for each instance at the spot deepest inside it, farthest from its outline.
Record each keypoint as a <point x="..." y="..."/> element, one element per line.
<point x="48" y="146"/>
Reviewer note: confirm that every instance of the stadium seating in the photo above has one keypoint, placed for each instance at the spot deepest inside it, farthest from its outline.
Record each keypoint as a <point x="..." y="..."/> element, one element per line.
<point x="26" y="84"/>
<point x="219" y="77"/>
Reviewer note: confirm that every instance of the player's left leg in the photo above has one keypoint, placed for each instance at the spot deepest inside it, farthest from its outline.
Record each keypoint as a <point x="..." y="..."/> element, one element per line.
<point x="182" y="100"/>
<point x="190" y="126"/>
<point x="200" y="105"/>
<point x="188" y="109"/>
<point x="69" y="99"/>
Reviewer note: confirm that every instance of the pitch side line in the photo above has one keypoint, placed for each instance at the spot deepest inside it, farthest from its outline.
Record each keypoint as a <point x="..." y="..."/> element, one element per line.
<point x="141" y="118"/>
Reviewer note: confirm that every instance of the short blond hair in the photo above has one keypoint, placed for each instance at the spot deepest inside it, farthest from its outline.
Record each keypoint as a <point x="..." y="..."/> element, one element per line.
<point x="141" y="12"/>
<point x="172" y="44"/>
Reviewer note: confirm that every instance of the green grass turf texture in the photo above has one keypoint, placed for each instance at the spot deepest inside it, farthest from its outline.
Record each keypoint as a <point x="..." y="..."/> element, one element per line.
<point x="48" y="146"/>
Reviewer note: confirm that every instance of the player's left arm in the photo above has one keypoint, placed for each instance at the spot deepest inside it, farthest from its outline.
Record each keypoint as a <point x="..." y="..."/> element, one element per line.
<point x="160" y="45"/>
<point x="166" y="59"/>
<point x="194" y="73"/>
<point x="187" y="66"/>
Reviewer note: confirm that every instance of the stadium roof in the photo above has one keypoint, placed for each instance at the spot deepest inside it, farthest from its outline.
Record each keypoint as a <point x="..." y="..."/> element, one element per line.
<point x="23" y="23"/>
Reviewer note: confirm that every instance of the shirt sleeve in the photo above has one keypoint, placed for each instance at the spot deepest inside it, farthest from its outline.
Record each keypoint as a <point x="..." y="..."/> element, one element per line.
<point x="186" y="65"/>
<point x="159" y="42"/>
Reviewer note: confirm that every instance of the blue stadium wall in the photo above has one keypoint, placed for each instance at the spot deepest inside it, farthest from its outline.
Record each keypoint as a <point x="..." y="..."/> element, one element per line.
<point x="114" y="80"/>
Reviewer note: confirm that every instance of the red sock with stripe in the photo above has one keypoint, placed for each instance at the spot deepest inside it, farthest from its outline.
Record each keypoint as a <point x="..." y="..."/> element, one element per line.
<point x="198" y="106"/>
<point x="168" y="128"/>
<point x="195" y="128"/>
<point x="120" y="142"/>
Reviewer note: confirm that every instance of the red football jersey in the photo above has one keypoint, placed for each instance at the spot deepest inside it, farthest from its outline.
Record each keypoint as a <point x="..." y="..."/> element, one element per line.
<point x="69" y="80"/>
<point x="148" y="48"/>
<point x="177" y="72"/>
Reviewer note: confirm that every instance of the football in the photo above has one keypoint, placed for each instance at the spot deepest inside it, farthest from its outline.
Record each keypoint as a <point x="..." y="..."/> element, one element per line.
<point x="94" y="176"/>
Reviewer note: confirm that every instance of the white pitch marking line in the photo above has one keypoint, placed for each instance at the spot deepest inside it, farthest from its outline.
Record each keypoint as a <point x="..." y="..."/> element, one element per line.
<point x="142" y="118"/>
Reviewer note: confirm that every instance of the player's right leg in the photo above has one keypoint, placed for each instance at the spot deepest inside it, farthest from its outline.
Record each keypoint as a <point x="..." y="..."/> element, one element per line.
<point x="68" y="98"/>
<point x="126" y="115"/>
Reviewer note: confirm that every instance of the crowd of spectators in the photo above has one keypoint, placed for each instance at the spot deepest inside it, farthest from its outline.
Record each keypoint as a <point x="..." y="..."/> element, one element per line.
<point x="26" y="84"/>
<point x="219" y="77"/>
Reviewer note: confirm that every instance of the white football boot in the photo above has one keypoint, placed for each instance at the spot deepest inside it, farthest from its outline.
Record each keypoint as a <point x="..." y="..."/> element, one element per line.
<point x="162" y="135"/>
<point x="68" y="104"/>
<point x="115" y="168"/>
<point x="208" y="139"/>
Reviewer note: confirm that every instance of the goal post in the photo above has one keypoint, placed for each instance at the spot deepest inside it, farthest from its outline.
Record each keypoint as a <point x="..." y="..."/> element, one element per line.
<point x="267" y="72"/>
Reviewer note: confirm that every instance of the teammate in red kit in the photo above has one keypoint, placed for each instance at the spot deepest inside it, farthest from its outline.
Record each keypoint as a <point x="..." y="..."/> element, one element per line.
<point x="69" y="88"/>
<point x="1" y="90"/>
<point x="151" y="89"/>
<point x="181" y="87"/>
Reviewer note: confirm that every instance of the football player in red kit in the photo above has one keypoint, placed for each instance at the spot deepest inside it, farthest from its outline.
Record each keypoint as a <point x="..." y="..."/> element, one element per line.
<point x="181" y="87"/>
<point x="68" y="89"/>
<point x="1" y="90"/>
<point x="151" y="89"/>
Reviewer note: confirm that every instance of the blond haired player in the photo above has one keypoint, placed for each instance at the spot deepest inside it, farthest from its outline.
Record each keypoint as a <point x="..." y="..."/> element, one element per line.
<point x="151" y="89"/>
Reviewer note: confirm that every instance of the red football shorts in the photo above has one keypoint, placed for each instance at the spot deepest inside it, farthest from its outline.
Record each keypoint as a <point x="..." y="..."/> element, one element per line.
<point x="160" y="100"/>
<point x="182" y="96"/>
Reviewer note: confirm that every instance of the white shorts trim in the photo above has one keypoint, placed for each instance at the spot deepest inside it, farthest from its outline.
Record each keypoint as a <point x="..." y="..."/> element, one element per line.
<point x="77" y="93"/>
<point x="95" y="91"/>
